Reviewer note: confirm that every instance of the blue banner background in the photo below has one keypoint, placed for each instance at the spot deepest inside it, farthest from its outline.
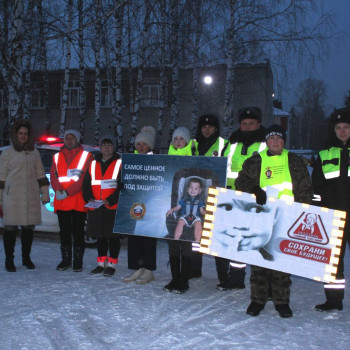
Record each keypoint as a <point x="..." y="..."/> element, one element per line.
<point x="148" y="182"/>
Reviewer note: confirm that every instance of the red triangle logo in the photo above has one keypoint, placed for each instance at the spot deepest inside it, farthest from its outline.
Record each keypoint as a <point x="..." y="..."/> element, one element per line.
<point x="309" y="227"/>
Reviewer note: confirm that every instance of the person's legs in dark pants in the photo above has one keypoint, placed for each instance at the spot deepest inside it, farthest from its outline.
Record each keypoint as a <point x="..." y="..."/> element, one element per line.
<point x="65" y="222"/>
<point x="9" y="239"/>
<point x="78" y="226"/>
<point x="27" y="241"/>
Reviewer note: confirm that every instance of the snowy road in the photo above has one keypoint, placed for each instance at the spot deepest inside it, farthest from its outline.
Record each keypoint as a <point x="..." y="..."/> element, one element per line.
<point x="48" y="309"/>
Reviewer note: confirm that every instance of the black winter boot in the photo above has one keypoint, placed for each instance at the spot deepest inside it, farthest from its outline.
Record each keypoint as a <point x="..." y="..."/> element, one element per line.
<point x="334" y="300"/>
<point x="66" y="262"/>
<point x="185" y="271"/>
<point x="9" y="247"/>
<point x="78" y="255"/>
<point x="175" y="274"/>
<point x="27" y="240"/>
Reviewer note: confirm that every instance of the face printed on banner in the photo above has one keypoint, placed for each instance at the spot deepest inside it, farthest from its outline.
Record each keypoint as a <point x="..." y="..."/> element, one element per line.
<point x="194" y="188"/>
<point x="243" y="225"/>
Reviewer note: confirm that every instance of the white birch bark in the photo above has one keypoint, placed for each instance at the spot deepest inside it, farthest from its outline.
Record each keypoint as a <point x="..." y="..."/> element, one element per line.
<point x="68" y="48"/>
<point x="82" y="89"/>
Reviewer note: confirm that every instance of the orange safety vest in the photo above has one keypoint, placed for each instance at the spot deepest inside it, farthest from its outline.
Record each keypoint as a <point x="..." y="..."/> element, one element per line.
<point x="68" y="175"/>
<point x="104" y="186"/>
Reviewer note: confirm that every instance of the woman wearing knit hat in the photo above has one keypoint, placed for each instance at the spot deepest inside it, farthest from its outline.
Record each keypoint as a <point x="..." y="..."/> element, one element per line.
<point x="102" y="183"/>
<point x="142" y="251"/>
<point x="180" y="252"/>
<point x="144" y="141"/>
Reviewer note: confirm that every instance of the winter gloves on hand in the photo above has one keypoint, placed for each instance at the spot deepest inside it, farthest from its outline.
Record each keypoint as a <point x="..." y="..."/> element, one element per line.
<point x="60" y="195"/>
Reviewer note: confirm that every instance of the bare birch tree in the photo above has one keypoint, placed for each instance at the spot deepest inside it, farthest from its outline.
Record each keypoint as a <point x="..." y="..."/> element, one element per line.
<point x="68" y="48"/>
<point x="82" y="88"/>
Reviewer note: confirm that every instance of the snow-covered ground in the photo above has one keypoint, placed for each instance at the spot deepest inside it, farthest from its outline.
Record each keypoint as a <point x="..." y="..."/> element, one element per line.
<point x="48" y="309"/>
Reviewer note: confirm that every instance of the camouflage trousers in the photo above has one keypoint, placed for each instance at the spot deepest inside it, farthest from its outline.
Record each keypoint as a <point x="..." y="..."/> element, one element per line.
<point x="262" y="279"/>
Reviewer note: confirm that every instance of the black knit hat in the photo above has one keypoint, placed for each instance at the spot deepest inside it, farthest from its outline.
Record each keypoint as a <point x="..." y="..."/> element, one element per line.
<point x="275" y="129"/>
<point x="249" y="113"/>
<point x="341" y="115"/>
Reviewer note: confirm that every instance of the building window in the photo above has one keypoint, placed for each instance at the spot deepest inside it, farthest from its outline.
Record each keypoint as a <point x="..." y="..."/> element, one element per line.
<point x="37" y="96"/>
<point x="105" y="94"/>
<point x="151" y="95"/>
<point x="106" y="100"/>
<point x="73" y="94"/>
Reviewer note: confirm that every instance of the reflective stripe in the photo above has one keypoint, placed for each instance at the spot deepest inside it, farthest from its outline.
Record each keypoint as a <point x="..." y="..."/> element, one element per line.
<point x="262" y="147"/>
<point x="281" y="187"/>
<point x="334" y="286"/>
<point x="221" y="144"/>
<point x="238" y="265"/>
<point x="332" y="175"/>
<point x="93" y="172"/>
<point x="80" y="166"/>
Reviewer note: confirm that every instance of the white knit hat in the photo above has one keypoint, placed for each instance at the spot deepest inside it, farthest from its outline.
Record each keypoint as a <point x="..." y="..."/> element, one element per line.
<point x="147" y="136"/>
<point x="73" y="132"/>
<point x="182" y="132"/>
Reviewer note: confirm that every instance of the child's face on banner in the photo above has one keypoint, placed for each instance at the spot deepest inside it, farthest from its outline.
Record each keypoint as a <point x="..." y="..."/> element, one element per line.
<point x="243" y="225"/>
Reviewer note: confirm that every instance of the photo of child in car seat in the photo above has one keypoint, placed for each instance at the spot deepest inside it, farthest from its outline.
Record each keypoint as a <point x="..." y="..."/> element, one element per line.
<point x="192" y="206"/>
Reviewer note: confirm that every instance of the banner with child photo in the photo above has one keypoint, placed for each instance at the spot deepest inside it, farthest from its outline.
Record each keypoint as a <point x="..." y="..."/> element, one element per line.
<point x="164" y="196"/>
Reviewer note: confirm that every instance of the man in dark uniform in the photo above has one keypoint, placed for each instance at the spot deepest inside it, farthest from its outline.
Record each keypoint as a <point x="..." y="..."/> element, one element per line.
<point x="331" y="180"/>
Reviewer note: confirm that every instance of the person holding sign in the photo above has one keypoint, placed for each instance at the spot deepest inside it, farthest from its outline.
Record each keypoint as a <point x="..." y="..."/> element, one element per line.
<point x="331" y="180"/>
<point x="180" y="252"/>
<point x="142" y="251"/>
<point x="101" y="186"/>
<point x="287" y="173"/>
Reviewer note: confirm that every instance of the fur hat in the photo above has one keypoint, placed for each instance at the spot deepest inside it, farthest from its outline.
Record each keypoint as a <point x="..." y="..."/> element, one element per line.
<point x="341" y="115"/>
<point x="147" y="136"/>
<point x="182" y="132"/>
<point x="208" y="119"/>
<point x="276" y="129"/>
<point x="249" y="113"/>
<point x="107" y="138"/>
<point x="72" y="132"/>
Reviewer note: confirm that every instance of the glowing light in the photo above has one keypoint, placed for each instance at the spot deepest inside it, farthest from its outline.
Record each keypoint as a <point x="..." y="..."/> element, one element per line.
<point x="208" y="80"/>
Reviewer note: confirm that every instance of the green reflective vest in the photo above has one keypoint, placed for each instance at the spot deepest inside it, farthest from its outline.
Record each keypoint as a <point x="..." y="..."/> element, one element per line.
<point x="275" y="173"/>
<point x="216" y="148"/>
<point x="236" y="159"/>
<point x="186" y="151"/>
<point x="330" y="160"/>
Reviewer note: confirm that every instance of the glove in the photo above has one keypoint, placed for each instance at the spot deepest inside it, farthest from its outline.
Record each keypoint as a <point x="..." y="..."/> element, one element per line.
<point x="260" y="195"/>
<point x="120" y="185"/>
<point x="1" y="212"/>
<point x="60" y="195"/>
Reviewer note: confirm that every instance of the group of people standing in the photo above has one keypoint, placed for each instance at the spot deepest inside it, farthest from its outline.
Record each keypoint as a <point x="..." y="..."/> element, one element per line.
<point x="79" y="178"/>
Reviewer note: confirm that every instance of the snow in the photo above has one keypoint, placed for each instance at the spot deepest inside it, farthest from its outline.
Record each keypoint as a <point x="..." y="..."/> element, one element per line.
<point x="48" y="309"/>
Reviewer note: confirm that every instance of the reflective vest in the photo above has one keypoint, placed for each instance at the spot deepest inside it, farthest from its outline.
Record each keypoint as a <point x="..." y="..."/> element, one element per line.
<point x="186" y="151"/>
<point x="275" y="173"/>
<point x="68" y="175"/>
<point x="235" y="159"/>
<point x="330" y="160"/>
<point x="216" y="148"/>
<point x="104" y="185"/>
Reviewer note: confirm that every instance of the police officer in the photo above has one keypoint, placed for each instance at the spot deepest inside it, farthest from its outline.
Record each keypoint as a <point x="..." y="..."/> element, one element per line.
<point x="243" y="143"/>
<point x="331" y="180"/>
